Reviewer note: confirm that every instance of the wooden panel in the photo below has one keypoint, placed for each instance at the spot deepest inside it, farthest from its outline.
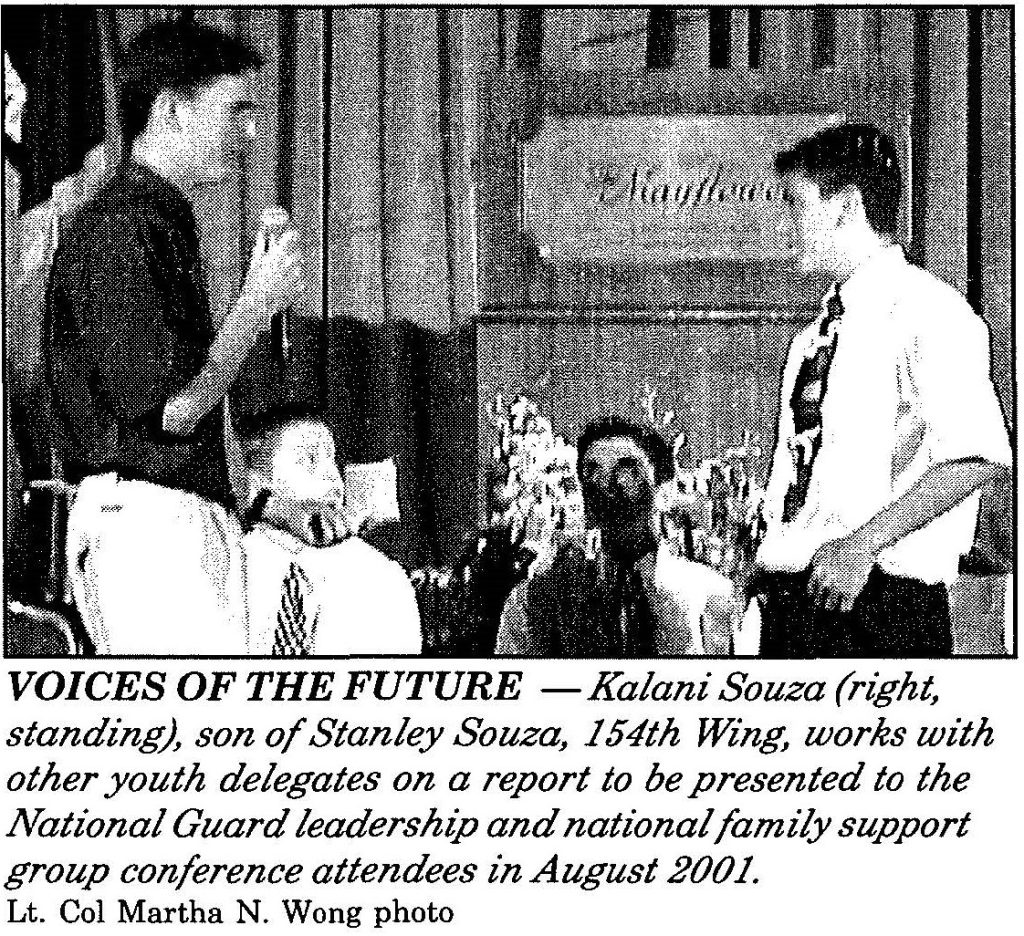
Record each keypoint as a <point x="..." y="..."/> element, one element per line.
<point x="482" y="38"/>
<point x="472" y="38"/>
<point x="112" y="120"/>
<point x="852" y="42"/>
<point x="894" y="30"/>
<point x="130" y="21"/>
<point x="740" y="57"/>
<point x="776" y="40"/>
<point x="945" y="234"/>
<point x="796" y="56"/>
<point x="692" y="41"/>
<point x="594" y="39"/>
<point x="501" y="279"/>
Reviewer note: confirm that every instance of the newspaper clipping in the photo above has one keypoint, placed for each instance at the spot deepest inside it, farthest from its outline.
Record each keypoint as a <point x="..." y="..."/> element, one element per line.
<point x="492" y="469"/>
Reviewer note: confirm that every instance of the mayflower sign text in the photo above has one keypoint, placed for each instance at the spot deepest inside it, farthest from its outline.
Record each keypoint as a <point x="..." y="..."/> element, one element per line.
<point x="650" y="190"/>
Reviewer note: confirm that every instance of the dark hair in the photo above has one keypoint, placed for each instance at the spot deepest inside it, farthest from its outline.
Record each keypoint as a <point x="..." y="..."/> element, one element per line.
<point x="851" y="154"/>
<point x="615" y="427"/>
<point x="180" y="56"/>
<point x="255" y="430"/>
<point x="253" y="426"/>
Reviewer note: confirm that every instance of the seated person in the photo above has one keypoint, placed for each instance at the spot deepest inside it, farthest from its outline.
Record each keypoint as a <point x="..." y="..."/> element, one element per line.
<point x="620" y="593"/>
<point x="342" y="598"/>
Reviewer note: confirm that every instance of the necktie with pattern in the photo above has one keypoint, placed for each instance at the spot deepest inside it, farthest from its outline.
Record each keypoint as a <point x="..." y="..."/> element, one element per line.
<point x="294" y="634"/>
<point x="636" y="618"/>
<point x="806" y="401"/>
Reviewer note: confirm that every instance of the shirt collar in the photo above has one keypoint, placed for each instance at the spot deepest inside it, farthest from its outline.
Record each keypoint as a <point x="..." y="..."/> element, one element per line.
<point x="863" y="284"/>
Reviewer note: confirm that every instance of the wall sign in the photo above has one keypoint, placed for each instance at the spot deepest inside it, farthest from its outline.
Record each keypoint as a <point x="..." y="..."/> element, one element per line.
<point x="657" y="190"/>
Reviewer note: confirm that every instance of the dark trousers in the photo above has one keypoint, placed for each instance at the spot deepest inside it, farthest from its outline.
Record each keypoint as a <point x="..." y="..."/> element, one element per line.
<point x="892" y="617"/>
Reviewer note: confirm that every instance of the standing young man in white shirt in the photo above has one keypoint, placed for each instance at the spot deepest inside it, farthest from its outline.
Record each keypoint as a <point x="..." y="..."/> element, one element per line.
<point x="888" y="425"/>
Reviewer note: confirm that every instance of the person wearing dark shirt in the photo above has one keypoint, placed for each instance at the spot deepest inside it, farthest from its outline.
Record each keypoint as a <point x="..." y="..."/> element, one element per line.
<point x="140" y="371"/>
<point x="129" y="325"/>
<point x="621" y="593"/>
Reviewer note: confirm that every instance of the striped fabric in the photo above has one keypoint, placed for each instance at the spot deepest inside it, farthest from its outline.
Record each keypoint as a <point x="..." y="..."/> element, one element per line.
<point x="808" y="395"/>
<point x="295" y="633"/>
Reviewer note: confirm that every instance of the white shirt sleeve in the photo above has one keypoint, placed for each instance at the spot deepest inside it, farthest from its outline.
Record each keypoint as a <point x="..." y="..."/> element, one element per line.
<point x="514" y="631"/>
<point x="686" y="599"/>
<point x="368" y="603"/>
<point x="947" y="358"/>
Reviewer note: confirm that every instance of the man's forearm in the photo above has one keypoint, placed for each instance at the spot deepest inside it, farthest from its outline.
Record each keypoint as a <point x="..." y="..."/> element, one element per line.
<point x="940" y="489"/>
<point x="227" y="354"/>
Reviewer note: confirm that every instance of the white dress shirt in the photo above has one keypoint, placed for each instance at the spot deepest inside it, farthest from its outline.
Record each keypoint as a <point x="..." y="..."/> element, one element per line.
<point x="909" y="388"/>
<point x="362" y="601"/>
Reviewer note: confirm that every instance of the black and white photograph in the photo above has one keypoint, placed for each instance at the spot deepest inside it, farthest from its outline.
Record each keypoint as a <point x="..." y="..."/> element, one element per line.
<point x="509" y="332"/>
<point x="510" y="469"/>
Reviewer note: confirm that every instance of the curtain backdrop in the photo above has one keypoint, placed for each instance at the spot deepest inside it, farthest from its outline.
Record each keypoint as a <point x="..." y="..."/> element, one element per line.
<point x="400" y="277"/>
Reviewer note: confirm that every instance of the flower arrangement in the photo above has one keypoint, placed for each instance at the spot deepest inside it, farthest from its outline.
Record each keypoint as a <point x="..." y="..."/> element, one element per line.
<point x="460" y="606"/>
<point x="535" y="491"/>
<point x="710" y="514"/>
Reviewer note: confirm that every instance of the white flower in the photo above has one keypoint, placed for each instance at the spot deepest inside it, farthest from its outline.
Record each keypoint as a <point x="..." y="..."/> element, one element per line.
<point x="542" y="427"/>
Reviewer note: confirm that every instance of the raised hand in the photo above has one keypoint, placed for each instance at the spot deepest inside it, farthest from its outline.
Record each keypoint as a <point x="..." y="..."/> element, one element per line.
<point x="317" y="522"/>
<point x="275" y="279"/>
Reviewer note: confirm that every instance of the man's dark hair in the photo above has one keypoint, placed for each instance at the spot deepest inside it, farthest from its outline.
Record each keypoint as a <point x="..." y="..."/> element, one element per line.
<point x="647" y="440"/>
<point x="851" y="154"/>
<point x="181" y="56"/>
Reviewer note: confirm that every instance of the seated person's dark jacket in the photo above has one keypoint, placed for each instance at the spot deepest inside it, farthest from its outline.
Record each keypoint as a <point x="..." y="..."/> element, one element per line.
<point x="574" y="611"/>
<point x="126" y="327"/>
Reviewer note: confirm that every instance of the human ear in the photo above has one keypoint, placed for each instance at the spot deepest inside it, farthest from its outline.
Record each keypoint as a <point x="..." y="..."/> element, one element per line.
<point x="164" y="115"/>
<point x="850" y="205"/>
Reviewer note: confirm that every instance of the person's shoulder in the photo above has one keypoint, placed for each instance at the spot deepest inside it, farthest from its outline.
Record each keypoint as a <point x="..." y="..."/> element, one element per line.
<point x="109" y="220"/>
<point x="921" y="292"/>
<point x="565" y="568"/>
<point x="808" y="333"/>
<point x="677" y="574"/>
<point x="917" y="282"/>
<point x="803" y="340"/>
<point x="927" y="306"/>
<point x="264" y="538"/>
<point x="369" y="560"/>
